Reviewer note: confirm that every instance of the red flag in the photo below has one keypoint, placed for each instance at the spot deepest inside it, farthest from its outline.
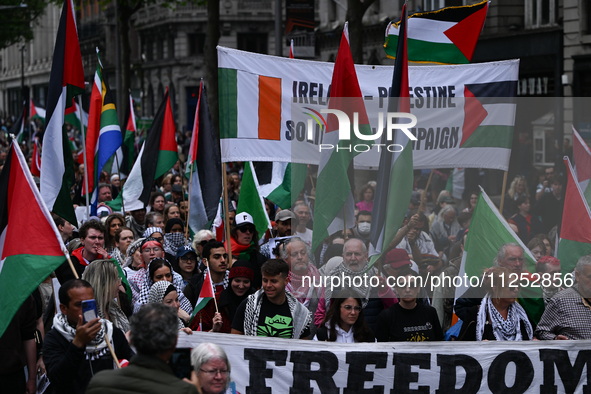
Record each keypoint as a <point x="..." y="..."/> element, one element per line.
<point x="36" y="161"/>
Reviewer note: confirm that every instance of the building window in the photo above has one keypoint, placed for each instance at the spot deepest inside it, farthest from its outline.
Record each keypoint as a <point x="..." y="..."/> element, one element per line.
<point x="431" y="5"/>
<point x="170" y="47"/>
<point x="587" y="17"/>
<point x="539" y="13"/>
<point x="253" y="42"/>
<point x="196" y="43"/>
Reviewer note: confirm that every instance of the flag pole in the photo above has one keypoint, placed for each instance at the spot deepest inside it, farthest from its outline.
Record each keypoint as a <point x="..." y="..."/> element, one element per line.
<point x="503" y="193"/>
<point x="345" y="221"/>
<point x="226" y="220"/>
<point x="121" y="187"/>
<point x="422" y="204"/>
<point x="71" y="265"/>
<point x="112" y="350"/>
<point x="189" y="206"/>
<point x="84" y="155"/>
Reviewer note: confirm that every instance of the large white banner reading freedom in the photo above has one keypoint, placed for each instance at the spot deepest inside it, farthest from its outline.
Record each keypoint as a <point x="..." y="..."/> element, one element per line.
<point x="260" y="122"/>
<point x="280" y="366"/>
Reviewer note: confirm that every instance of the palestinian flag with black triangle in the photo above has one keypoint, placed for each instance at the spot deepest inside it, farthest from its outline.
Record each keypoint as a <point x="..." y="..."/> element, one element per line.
<point x="157" y="155"/>
<point x="65" y="82"/>
<point x="128" y="147"/>
<point x="23" y="264"/>
<point x="37" y="112"/>
<point x="447" y="36"/>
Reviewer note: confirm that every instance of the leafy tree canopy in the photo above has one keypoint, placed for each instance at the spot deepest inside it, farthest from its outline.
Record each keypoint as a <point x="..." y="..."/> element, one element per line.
<point x="17" y="22"/>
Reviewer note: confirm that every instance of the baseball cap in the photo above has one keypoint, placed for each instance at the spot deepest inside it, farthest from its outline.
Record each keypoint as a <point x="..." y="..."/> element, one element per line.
<point x="397" y="258"/>
<point x="183" y="250"/>
<point x="177" y="188"/>
<point x="243" y="219"/>
<point x="284" y="214"/>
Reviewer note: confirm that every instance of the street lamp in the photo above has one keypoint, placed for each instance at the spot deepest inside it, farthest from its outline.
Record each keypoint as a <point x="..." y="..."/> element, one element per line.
<point x="8" y="7"/>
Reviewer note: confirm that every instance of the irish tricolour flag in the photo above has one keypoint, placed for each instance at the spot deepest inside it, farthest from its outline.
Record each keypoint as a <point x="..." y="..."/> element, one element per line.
<point x="445" y="36"/>
<point x="265" y="112"/>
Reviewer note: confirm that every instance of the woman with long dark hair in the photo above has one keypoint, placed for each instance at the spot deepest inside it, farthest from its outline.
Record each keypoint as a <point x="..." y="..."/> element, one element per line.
<point x="344" y="321"/>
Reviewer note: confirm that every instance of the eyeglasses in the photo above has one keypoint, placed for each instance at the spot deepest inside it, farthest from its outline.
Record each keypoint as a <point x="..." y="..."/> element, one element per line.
<point x="204" y="242"/>
<point x="246" y="230"/>
<point x="349" y="308"/>
<point x="214" y="372"/>
<point x="149" y="250"/>
<point x="193" y="259"/>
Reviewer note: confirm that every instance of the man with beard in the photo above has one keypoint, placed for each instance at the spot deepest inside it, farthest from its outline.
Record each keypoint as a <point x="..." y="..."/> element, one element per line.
<point x="283" y="220"/>
<point x="297" y="255"/>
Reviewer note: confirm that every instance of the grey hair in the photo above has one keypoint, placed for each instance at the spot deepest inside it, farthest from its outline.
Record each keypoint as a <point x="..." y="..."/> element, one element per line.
<point x="154" y="329"/>
<point x="445" y="210"/>
<point x="503" y="251"/>
<point x="103" y="277"/>
<point x="292" y="240"/>
<point x="364" y="248"/>
<point x="200" y="236"/>
<point x="583" y="261"/>
<point x="206" y="352"/>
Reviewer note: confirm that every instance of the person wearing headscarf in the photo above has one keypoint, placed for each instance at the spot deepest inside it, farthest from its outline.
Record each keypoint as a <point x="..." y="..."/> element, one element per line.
<point x="160" y="269"/>
<point x="151" y="231"/>
<point x="150" y="249"/>
<point x="240" y="287"/>
<point x="165" y="292"/>
<point x="174" y="237"/>
<point x="133" y="260"/>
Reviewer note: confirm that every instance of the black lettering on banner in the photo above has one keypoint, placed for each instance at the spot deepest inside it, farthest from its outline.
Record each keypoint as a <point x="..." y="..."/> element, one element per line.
<point x="449" y="364"/>
<point x="300" y="131"/>
<point x="303" y="374"/>
<point x="453" y="137"/>
<point x="257" y="368"/>
<point x="569" y="374"/>
<point x="358" y="373"/>
<point x="289" y="132"/>
<point x="303" y="89"/>
<point x="524" y="373"/>
<point x="403" y="376"/>
<point x="444" y="138"/>
<point x="430" y="138"/>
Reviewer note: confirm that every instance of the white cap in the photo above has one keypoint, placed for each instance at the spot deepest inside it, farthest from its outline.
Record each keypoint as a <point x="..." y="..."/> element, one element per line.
<point x="243" y="218"/>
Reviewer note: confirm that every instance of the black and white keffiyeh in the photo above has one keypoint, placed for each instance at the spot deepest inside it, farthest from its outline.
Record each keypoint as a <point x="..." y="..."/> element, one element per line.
<point x="503" y="330"/>
<point x="173" y="241"/>
<point x="364" y="289"/>
<point x="225" y="281"/>
<point x="96" y="348"/>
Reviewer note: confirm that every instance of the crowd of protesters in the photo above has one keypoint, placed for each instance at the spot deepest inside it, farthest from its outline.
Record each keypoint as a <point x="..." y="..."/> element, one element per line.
<point x="146" y="273"/>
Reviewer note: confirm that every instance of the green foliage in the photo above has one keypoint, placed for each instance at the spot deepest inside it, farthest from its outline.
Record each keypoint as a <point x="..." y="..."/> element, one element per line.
<point x="17" y="22"/>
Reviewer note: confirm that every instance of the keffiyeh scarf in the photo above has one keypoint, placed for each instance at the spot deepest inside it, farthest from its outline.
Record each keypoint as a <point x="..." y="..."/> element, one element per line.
<point x="503" y="330"/>
<point x="158" y="291"/>
<point x="96" y="348"/>
<point x="225" y="281"/>
<point x="296" y="286"/>
<point x="173" y="241"/>
<point x="363" y="290"/>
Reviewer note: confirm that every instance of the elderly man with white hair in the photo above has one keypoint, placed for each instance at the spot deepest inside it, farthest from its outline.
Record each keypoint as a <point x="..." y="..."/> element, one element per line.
<point x="568" y="313"/>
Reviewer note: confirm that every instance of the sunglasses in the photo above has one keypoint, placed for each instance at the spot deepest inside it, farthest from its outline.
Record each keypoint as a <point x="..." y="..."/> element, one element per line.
<point x="246" y="229"/>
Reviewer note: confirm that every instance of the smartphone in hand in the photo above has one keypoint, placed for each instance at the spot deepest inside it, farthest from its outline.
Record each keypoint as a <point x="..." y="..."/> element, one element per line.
<point x="89" y="310"/>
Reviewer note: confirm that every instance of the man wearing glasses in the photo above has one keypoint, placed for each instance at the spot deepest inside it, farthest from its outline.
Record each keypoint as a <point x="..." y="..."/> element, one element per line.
<point x="408" y="321"/>
<point x="297" y="255"/>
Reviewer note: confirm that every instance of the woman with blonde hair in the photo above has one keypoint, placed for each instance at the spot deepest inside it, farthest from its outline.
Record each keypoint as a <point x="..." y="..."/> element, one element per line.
<point x="517" y="189"/>
<point x="104" y="278"/>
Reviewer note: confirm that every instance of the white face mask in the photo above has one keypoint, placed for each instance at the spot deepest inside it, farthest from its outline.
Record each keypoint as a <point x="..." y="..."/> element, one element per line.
<point x="364" y="228"/>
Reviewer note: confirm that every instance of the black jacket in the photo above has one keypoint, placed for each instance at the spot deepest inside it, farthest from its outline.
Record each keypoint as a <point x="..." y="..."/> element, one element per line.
<point x="68" y="369"/>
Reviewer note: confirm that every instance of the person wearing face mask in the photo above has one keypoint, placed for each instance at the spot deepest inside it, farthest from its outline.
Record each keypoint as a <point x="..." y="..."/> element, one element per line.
<point x="362" y="226"/>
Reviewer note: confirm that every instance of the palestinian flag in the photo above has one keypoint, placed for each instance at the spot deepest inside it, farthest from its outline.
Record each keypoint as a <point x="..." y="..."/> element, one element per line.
<point x="73" y="117"/>
<point x="23" y="265"/>
<point x="575" y="231"/>
<point x="37" y="112"/>
<point x="281" y="182"/>
<point x="160" y="144"/>
<point x="36" y="161"/>
<point x="395" y="173"/>
<point x="204" y="167"/>
<point x="447" y="36"/>
<point x="488" y="232"/>
<point x="251" y="200"/>
<point x="205" y="295"/>
<point x="103" y="135"/>
<point x="456" y="183"/>
<point x="582" y="157"/>
<point x="128" y="147"/>
<point x="65" y="82"/>
<point x="291" y="51"/>
<point x="334" y="197"/>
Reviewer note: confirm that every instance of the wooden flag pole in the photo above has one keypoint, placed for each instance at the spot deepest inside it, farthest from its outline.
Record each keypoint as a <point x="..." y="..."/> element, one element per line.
<point x="226" y="221"/>
<point x="345" y="222"/>
<point x="112" y="350"/>
<point x="188" y="207"/>
<point x="503" y="193"/>
<point x="422" y="204"/>
<point x="84" y="155"/>
<point x="71" y="265"/>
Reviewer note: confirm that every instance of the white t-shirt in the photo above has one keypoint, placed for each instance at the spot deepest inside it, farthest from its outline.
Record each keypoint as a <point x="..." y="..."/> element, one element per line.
<point x="306" y="237"/>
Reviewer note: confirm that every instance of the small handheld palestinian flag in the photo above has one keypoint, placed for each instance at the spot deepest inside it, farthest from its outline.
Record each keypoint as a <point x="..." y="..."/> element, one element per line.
<point x="205" y="295"/>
